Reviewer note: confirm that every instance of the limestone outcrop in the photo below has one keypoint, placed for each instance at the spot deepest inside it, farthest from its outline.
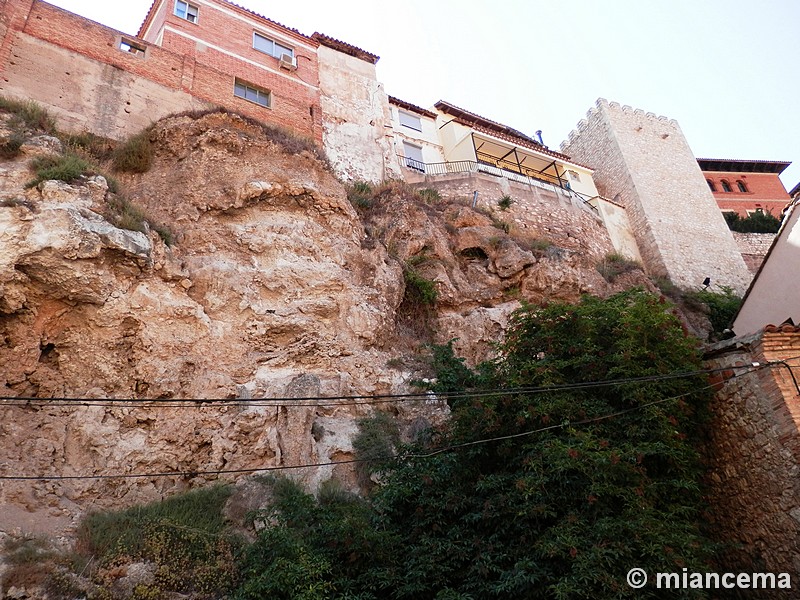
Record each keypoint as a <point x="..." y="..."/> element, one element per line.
<point x="275" y="287"/>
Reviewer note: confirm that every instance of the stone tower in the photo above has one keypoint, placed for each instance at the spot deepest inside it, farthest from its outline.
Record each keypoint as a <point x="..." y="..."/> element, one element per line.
<point x="644" y="162"/>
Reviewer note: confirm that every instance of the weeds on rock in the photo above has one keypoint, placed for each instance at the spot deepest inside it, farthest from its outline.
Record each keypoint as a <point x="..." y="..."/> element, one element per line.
<point x="615" y="264"/>
<point x="135" y="155"/>
<point x="505" y="202"/>
<point x="28" y="113"/>
<point x="66" y="167"/>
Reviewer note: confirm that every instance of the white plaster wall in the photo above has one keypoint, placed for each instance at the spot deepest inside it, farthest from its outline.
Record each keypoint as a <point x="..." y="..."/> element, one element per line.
<point x="356" y="118"/>
<point x="619" y="227"/>
<point x="456" y="139"/>
<point x="427" y="139"/>
<point x="774" y="295"/>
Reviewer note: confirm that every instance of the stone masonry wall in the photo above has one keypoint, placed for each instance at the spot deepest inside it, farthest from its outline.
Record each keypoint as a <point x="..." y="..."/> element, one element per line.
<point x="536" y="213"/>
<point x="644" y="162"/>
<point x="754" y="247"/>
<point x="753" y="452"/>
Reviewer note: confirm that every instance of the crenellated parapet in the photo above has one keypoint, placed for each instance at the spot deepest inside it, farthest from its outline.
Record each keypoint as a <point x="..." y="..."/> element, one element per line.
<point x="643" y="161"/>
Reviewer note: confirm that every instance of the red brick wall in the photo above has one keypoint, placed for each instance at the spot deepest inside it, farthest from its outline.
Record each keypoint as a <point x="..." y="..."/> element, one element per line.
<point x="206" y="74"/>
<point x="765" y="191"/>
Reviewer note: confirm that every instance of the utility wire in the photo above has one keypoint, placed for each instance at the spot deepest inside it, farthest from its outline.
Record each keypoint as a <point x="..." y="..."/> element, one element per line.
<point x="320" y="401"/>
<point x="449" y="448"/>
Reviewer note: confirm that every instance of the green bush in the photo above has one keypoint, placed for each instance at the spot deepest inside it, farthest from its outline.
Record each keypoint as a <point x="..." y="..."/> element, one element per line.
<point x="125" y="215"/>
<point x="184" y="536"/>
<point x="375" y="443"/>
<point x="505" y="202"/>
<point x="757" y="222"/>
<point x="135" y="155"/>
<point x="419" y="290"/>
<point x="722" y="306"/>
<point x="66" y="167"/>
<point x="360" y="195"/>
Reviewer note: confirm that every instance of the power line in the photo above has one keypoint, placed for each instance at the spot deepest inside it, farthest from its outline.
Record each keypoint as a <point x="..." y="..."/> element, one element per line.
<point x="438" y="451"/>
<point x="321" y="401"/>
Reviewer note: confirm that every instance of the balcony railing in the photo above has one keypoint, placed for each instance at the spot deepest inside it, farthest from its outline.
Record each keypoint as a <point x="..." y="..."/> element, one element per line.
<point x="471" y="166"/>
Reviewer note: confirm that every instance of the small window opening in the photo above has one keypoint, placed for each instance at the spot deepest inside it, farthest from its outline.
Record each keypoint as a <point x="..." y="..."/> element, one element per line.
<point x="726" y="187"/>
<point x="742" y="187"/>
<point x="711" y="185"/>
<point x="133" y="47"/>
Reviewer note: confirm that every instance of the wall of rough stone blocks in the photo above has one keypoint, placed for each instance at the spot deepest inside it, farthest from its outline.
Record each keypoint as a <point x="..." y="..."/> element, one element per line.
<point x="753" y="450"/>
<point x="753" y="247"/>
<point x="536" y="212"/>
<point x="644" y="162"/>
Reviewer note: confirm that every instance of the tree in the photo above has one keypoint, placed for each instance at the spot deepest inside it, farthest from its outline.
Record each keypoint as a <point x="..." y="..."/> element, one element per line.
<point x="576" y="469"/>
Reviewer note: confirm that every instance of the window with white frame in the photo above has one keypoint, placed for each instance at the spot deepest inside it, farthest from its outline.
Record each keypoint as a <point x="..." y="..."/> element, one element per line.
<point x="187" y="11"/>
<point x="573" y="175"/>
<point x="271" y="47"/>
<point x="250" y="92"/>
<point x="410" y="121"/>
<point x="413" y="156"/>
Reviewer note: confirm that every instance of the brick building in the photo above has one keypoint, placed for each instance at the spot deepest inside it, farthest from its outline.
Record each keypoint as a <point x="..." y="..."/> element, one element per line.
<point x="746" y="186"/>
<point x="194" y="55"/>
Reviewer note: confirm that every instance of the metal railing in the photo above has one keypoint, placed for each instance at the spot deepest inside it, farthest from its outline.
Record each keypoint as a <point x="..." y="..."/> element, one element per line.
<point x="472" y="166"/>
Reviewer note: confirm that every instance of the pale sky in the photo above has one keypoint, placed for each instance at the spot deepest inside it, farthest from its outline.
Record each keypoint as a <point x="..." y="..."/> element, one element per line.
<point x="726" y="70"/>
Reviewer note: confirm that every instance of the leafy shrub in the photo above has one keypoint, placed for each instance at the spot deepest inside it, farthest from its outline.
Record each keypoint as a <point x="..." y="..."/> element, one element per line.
<point x="375" y="443"/>
<point x="722" y="308"/>
<point x="420" y="290"/>
<point x="29" y="114"/>
<point x="505" y="202"/>
<point x="184" y="536"/>
<point x="66" y="167"/>
<point x="135" y="155"/>
<point x="757" y="222"/>
<point x="614" y="265"/>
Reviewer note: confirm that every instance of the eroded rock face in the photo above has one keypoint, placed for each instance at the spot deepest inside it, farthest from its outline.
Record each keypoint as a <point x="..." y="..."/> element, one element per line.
<point x="273" y="289"/>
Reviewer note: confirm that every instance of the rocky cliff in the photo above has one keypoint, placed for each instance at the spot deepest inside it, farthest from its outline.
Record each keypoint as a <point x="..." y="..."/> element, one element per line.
<point x="275" y="286"/>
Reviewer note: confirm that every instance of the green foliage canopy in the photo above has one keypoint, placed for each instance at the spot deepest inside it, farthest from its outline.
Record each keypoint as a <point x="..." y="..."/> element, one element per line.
<point x="578" y="485"/>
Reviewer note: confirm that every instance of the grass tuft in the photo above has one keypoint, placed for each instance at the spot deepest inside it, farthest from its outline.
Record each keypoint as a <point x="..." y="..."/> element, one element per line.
<point x="29" y="114"/>
<point x="615" y="264"/>
<point x="135" y="155"/>
<point x="66" y="167"/>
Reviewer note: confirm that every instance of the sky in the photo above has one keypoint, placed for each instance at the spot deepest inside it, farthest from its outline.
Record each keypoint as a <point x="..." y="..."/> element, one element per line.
<point x="726" y="70"/>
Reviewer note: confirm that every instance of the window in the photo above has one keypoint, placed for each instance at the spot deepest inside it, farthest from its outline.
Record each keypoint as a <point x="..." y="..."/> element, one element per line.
<point x="267" y="46"/>
<point x="251" y="93"/>
<point x="187" y="11"/>
<point x="726" y="187"/>
<point x="573" y="175"/>
<point x="127" y="45"/>
<point x="410" y="121"/>
<point x="742" y="187"/>
<point x="413" y="156"/>
<point x="711" y="185"/>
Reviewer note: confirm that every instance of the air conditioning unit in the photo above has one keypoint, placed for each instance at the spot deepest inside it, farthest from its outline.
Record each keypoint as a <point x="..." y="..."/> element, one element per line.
<point x="287" y="61"/>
